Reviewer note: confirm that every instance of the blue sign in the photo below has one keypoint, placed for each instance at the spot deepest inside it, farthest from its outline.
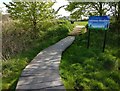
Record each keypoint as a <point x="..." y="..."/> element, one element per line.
<point x="99" y="22"/>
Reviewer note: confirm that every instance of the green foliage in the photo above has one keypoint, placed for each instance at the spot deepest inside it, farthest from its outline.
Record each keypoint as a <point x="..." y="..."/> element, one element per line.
<point x="20" y="47"/>
<point x="111" y="84"/>
<point x="68" y="25"/>
<point x="30" y="10"/>
<point x="83" y="69"/>
<point x="83" y="23"/>
<point x="11" y="71"/>
<point x="116" y="10"/>
<point x="109" y="63"/>
<point x="20" y="44"/>
<point x="97" y="85"/>
<point x="78" y="9"/>
<point x="30" y="13"/>
<point x="17" y="38"/>
<point x="115" y="76"/>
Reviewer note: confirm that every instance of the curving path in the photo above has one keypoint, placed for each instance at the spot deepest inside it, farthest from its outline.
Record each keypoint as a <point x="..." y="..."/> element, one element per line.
<point x="42" y="74"/>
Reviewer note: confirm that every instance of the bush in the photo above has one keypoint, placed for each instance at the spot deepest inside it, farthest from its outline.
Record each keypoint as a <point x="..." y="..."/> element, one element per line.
<point x="20" y="46"/>
<point x="15" y="39"/>
<point x="18" y="38"/>
<point x="114" y="27"/>
<point x="67" y="24"/>
<point x="95" y="85"/>
<point x="109" y="62"/>
<point x="115" y="76"/>
<point x="111" y="84"/>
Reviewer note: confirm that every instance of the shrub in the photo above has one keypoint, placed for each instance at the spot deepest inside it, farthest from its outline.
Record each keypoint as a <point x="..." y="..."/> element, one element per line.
<point x="15" y="39"/>
<point x="111" y="84"/>
<point x="114" y="27"/>
<point x="109" y="62"/>
<point x="22" y="46"/>
<point x="66" y="23"/>
<point x="115" y="76"/>
<point x="18" y="38"/>
<point x="95" y="85"/>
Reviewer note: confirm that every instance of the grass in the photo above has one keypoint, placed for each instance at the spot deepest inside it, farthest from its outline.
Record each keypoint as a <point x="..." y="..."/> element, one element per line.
<point x="83" y="23"/>
<point x="80" y="68"/>
<point x="83" y="68"/>
<point x="13" y="67"/>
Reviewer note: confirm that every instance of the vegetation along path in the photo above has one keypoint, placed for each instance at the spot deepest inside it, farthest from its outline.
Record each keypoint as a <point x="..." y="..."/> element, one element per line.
<point x="43" y="71"/>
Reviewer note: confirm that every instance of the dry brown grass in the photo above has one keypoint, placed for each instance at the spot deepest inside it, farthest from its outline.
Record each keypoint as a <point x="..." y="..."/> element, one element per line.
<point x="14" y="39"/>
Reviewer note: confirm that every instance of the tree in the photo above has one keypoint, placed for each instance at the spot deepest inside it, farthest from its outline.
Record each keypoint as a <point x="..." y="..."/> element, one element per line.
<point x="78" y="9"/>
<point x="119" y="11"/>
<point x="115" y="9"/>
<point x="30" y="13"/>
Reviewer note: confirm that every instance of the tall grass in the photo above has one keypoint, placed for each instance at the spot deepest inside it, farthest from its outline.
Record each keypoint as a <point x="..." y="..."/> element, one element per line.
<point x="91" y="69"/>
<point x="21" y="46"/>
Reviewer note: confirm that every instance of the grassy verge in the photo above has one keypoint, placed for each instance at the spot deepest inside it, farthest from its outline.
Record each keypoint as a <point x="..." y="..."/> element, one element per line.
<point x="13" y="67"/>
<point x="83" y="23"/>
<point x="83" y="68"/>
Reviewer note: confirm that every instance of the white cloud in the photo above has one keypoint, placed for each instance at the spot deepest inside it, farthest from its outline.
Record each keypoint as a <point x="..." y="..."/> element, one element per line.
<point x="62" y="10"/>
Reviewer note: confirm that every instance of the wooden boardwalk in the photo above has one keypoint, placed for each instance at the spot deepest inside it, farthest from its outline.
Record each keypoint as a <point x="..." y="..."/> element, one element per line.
<point x="42" y="74"/>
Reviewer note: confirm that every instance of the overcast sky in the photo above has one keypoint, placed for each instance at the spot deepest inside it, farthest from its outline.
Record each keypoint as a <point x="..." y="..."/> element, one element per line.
<point x="56" y="6"/>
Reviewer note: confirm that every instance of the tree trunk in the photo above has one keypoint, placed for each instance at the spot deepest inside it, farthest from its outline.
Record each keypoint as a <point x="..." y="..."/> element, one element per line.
<point x="34" y="25"/>
<point x="34" y="18"/>
<point x="119" y="12"/>
<point x="118" y="25"/>
<point x="100" y="9"/>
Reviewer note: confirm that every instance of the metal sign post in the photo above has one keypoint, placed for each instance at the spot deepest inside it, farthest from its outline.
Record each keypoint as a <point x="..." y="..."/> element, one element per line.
<point x="104" y="40"/>
<point x="88" y="39"/>
<point x="98" y="23"/>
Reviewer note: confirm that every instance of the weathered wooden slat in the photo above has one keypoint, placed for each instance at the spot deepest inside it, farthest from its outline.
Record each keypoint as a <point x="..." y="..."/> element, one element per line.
<point x="42" y="73"/>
